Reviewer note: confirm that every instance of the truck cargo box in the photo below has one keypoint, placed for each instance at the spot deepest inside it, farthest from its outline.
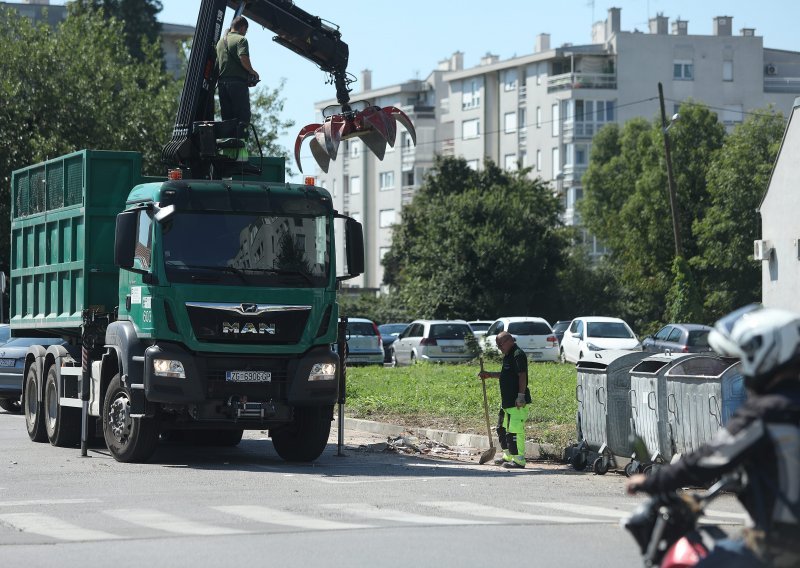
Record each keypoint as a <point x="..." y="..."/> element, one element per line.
<point x="63" y="214"/>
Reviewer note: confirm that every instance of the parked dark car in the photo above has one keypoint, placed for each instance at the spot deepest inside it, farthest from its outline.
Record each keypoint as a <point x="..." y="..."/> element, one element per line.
<point x="678" y="338"/>
<point x="12" y="363"/>
<point x="389" y="333"/>
<point x="559" y="328"/>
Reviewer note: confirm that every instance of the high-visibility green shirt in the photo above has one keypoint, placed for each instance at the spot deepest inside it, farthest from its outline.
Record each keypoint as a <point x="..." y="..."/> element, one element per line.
<point x="228" y="59"/>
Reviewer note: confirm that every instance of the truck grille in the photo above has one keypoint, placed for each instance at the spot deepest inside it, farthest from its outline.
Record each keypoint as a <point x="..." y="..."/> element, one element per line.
<point x="261" y="324"/>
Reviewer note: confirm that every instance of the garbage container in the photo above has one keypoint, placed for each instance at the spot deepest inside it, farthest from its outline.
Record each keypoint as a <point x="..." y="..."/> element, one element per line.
<point x="604" y="414"/>
<point x="702" y="392"/>
<point x="648" y="402"/>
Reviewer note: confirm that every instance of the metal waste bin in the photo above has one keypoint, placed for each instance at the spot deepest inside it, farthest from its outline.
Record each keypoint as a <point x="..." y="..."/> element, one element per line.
<point x="604" y="414"/>
<point x="702" y="392"/>
<point x="648" y="402"/>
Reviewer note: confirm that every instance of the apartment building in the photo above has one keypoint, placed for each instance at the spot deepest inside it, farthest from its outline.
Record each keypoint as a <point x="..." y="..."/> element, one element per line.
<point x="541" y="110"/>
<point x="172" y="35"/>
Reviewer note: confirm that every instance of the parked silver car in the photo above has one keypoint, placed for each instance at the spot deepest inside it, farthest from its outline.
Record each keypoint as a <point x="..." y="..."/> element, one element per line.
<point x="364" y="345"/>
<point x="439" y="341"/>
<point x="12" y="364"/>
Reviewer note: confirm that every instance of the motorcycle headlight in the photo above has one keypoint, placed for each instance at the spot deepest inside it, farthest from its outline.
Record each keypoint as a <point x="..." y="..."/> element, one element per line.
<point x="169" y="368"/>
<point x="322" y="372"/>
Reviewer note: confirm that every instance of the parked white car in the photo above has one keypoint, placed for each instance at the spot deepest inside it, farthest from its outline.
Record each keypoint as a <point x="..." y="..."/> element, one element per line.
<point x="479" y="328"/>
<point x="364" y="345"/>
<point x="588" y="334"/>
<point x="533" y="335"/>
<point x="440" y="341"/>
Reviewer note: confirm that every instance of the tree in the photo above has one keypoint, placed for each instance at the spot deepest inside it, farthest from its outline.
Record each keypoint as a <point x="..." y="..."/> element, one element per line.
<point x="476" y="244"/>
<point x="266" y="107"/>
<point x="137" y="16"/>
<point x="737" y="179"/>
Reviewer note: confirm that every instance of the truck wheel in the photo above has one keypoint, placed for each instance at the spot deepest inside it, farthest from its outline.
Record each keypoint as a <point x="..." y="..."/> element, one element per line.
<point x="130" y="440"/>
<point x="34" y="411"/>
<point x="306" y="438"/>
<point x="63" y="423"/>
<point x="10" y="405"/>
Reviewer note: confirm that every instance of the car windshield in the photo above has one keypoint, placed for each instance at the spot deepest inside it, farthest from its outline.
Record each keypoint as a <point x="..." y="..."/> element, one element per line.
<point x="28" y="341"/>
<point x="246" y="248"/>
<point x="528" y="328"/>
<point x="698" y="338"/>
<point x="608" y="330"/>
<point x="561" y="326"/>
<point x="450" y="331"/>
<point x="478" y="326"/>
<point x="360" y="328"/>
<point x="390" y="328"/>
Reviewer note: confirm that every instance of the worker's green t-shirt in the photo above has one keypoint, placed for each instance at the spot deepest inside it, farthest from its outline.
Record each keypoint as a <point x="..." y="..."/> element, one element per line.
<point x="230" y="66"/>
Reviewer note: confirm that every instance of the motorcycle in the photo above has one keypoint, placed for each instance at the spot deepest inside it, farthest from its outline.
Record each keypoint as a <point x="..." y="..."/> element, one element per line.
<point x="666" y="526"/>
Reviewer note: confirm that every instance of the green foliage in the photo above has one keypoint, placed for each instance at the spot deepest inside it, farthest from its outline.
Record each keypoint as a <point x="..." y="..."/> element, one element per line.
<point x="737" y="179"/>
<point x="683" y="300"/>
<point x="380" y="309"/>
<point x="266" y="106"/>
<point x="477" y="244"/>
<point x="137" y="16"/>
<point x="450" y="396"/>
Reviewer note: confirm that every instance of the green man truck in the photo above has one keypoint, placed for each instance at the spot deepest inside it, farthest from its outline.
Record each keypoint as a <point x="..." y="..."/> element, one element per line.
<point x="203" y="302"/>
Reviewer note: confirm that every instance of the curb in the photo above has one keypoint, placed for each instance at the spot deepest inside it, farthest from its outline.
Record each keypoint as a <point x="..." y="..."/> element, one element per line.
<point x="532" y="450"/>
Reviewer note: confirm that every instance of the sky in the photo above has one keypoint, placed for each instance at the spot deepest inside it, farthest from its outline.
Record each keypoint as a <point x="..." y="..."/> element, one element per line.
<point x="406" y="39"/>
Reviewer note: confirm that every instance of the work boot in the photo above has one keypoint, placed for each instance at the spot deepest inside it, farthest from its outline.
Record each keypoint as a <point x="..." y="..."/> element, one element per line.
<point x="515" y="463"/>
<point x="503" y="459"/>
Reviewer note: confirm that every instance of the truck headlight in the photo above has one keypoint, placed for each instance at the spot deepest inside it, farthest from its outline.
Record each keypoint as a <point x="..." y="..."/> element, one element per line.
<point x="169" y="368"/>
<point x="322" y="372"/>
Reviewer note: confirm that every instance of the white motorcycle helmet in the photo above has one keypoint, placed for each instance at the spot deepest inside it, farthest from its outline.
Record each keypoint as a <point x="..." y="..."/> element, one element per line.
<point x="765" y="339"/>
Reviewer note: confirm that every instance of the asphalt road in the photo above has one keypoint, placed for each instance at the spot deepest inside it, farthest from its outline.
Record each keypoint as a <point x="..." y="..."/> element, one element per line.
<point x="196" y="506"/>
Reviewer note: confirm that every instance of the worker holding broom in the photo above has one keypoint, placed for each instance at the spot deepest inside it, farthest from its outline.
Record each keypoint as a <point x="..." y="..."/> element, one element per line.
<point x="515" y="398"/>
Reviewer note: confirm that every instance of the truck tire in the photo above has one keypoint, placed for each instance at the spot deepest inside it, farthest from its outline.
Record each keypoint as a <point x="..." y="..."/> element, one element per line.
<point x="11" y="405"/>
<point x="63" y="423"/>
<point x="306" y="438"/>
<point x="130" y="440"/>
<point x="33" y="407"/>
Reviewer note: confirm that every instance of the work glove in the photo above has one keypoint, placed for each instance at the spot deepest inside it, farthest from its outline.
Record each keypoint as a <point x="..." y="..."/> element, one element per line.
<point x="521" y="399"/>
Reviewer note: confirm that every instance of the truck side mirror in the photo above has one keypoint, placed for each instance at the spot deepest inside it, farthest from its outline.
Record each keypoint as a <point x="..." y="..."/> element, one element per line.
<point x="125" y="238"/>
<point x="354" y="247"/>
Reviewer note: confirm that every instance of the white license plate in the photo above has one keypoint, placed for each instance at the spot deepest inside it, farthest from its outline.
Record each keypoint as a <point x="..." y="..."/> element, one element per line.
<point x="536" y="355"/>
<point x="452" y="349"/>
<point x="7" y="362"/>
<point x="248" y="376"/>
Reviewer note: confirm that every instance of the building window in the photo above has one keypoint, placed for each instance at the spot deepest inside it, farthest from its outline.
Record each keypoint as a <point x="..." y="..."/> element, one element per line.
<point x="386" y="218"/>
<point x="538" y="160"/>
<point x="470" y="129"/>
<point x="727" y="70"/>
<point x="588" y="116"/>
<point x="355" y="148"/>
<point x="386" y="180"/>
<point x="472" y="164"/>
<point x="355" y="185"/>
<point x="523" y="158"/>
<point x="554" y="116"/>
<point x="683" y="70"/>
<point x="556" y="162"/>
<point x="408" y="178"/>
<point x="511" y="162"/>
<point x="471" y="93"/>
<point x="539" y="73"/>
<point x="510" y="122"/>
<point x="510" y="80"/>
<point x="523" y="118"/>
<point x="581" y="154"/>
<point x="538" y="117"/>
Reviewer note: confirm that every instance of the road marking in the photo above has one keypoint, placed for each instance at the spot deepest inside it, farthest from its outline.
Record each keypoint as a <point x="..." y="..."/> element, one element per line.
<point x="393" y="515"/>
<point x="348" y="481"/>
<point x="582" y="509"/>
<point x="47" y="502"/>
<point x="466" y="508"/>
<point x="169" y="523"/>
<point x="278" y="517"/>
<point x="52" y="527"/>
<point x="723" y="514"/>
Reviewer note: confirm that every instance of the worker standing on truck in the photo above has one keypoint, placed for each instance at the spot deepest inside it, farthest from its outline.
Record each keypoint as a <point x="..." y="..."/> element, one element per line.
<point x="236" y="73"/>
<point x="515" y="398"/>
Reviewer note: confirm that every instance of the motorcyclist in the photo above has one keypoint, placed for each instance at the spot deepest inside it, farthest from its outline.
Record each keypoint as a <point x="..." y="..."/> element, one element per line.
<point x="762" y="437"/>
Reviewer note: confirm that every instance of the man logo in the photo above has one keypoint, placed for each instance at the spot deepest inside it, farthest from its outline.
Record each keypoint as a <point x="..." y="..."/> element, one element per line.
<point x="249" y="308"/>
<point x="236" y="328"/>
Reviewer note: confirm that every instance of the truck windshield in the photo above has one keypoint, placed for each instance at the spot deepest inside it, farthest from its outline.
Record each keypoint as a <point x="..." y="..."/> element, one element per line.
<point x="246" y="248"/>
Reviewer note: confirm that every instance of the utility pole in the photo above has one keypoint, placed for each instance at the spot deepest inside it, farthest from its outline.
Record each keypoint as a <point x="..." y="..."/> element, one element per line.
<point x="673" y="197"/>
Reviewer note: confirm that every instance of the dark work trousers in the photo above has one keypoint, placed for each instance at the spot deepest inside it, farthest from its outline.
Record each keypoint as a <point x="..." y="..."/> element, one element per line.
<point x="234" y="100"/>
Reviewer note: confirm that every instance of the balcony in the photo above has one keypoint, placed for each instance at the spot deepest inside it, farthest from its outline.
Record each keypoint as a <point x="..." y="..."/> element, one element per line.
<point x="523" y="94"/>
<point x="782" y="84"/>
<point x="448" y="147"/>
<point x="567" y="81"/>
<point x="407" y="194"/>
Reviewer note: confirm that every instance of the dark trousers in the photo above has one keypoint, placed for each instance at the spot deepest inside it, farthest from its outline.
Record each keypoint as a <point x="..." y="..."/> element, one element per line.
<point x="234" y="100"/>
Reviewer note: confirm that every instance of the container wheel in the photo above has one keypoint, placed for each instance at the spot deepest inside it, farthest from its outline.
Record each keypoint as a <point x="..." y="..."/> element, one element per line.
<point x="648" y="470"/>
<point x="578" y="461"/>
<point x="63" y="423"/>
<point x="130" y="440"/>
<point x="306" y="437"/>
<point x="630" y="469"/>
<point x="33" y="407"/>
<point x="600" y="466"/>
